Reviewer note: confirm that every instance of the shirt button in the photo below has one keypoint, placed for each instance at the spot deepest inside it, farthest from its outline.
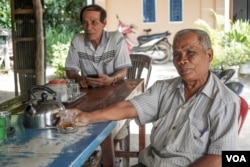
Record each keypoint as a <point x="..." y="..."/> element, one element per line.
<point x="174" y="128"/>
<point x="183" y="107"/>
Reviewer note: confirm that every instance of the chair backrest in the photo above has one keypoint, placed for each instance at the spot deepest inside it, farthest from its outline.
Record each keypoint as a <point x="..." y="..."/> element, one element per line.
<point x="243" y="112"/>
<point x="226" y="75"/>
<point x="140" y="62"/>
<point x="235" y="86"/>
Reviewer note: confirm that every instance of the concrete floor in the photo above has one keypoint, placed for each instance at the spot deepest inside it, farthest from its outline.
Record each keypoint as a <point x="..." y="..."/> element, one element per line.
<point x="159" y="72"/>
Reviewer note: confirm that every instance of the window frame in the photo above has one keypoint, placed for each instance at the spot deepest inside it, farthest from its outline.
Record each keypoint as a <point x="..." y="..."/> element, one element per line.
<point x="170" y="11"/>
<point x="155" y="8"/>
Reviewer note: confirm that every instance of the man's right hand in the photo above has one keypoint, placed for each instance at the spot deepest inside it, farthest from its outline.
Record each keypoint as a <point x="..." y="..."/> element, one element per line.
<point x="81" y="118"/>
<point x="81" y="80"/>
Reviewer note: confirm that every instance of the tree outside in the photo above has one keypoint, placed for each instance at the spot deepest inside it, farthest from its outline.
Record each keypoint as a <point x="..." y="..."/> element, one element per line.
<point x="61" y="21"/>
<point x="5" y="15"/>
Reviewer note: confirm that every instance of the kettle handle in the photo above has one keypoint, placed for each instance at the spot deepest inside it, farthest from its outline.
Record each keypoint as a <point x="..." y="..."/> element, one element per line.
<point x="44" y="88"/>
<point x="55" y="119"/>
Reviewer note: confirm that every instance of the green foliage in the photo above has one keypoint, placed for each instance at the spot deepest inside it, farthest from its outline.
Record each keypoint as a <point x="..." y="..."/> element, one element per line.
<point x="5" y="14"/>
<point x="62" y="21"/>
<point x="237" y="43"/>
<point x="60" y="52"/>
<point x="63" y="12"/>
<point x="61" y="35"/>
<point x="216" y="36"/>
<point x="230" y="47"/>
<point x="57" y="45"/>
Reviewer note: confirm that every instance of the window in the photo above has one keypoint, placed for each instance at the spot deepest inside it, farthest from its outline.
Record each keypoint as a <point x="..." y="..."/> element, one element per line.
<point x="175" y="10"/>
<point x="148" y="11"/>
<point x="89" y="2"/>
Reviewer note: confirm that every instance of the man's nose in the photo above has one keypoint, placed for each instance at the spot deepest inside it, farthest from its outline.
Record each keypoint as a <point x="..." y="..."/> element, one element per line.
<point x="182" y="59"/>
<point x="87" y="26"/>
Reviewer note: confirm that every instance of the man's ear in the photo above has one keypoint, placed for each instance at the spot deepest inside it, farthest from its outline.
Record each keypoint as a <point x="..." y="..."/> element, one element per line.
<point x="210" y="54"/>
<point x="104" y="23"/>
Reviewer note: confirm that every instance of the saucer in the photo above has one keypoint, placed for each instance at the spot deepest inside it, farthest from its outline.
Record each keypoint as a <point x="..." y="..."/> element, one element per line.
<point x="67" y="130"/>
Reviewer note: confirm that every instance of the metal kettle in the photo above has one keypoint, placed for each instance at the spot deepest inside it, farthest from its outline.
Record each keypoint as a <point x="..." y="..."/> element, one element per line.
<point x="41" y="113"/>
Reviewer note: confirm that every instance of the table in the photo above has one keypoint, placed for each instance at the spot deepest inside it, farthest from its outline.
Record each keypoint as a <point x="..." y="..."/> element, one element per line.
<point x="29" y="147"/>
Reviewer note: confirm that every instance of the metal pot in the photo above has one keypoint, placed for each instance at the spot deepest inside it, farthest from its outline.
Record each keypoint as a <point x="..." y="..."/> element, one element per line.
<point x="41" y="113"/>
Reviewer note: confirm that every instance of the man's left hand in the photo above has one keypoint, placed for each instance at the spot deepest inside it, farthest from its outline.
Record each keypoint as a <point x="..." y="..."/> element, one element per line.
<point x="102" y="80"/>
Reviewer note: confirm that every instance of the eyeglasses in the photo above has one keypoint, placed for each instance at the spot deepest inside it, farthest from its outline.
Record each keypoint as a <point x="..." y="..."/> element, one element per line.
<point x="91" y="22"/>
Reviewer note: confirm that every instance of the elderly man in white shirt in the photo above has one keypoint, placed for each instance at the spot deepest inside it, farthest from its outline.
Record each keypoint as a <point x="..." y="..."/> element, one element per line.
<point x="194" y="116"/>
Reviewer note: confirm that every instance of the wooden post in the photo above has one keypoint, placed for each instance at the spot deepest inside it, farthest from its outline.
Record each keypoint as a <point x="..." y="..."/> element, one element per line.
<point x="40" y="70"/>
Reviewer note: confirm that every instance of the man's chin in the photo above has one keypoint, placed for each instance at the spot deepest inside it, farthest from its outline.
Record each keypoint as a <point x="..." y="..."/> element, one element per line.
<point x="187" y="77"/>
<point x="185" y="74"/>
<point x="90" y="37"/>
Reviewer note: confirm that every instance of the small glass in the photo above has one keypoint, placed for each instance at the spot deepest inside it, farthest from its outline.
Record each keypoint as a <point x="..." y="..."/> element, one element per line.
<point x="75" y="90"/>
<point x="69" y="92"/>
<point x="67" y="124"/>
<point x="70" y="81"/>
<point x="70" y="89"/>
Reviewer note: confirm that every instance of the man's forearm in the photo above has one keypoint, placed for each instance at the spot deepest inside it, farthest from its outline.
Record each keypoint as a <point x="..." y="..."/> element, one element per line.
<point x="208" y="161"/>
<point x="120" y="74"/>
<point x="72" y="74"/>
<point x="118" y="111"/>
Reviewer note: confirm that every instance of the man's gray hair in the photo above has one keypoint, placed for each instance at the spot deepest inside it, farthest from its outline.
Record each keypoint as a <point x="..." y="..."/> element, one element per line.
<point x="203" y="37"/>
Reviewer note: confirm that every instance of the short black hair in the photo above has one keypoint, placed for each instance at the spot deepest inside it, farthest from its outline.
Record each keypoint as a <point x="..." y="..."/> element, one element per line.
<point x="94" y="8"/>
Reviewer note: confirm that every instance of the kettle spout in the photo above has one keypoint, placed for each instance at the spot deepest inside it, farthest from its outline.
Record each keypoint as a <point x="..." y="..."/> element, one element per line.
<point x="30" y="110"/>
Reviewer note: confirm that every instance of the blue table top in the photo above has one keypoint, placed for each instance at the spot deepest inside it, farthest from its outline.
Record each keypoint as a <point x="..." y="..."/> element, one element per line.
<point x="47" y="147"/>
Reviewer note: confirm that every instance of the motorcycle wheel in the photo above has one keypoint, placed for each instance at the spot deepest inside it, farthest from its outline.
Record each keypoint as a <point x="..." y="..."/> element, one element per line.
<point x="166" y="48"/>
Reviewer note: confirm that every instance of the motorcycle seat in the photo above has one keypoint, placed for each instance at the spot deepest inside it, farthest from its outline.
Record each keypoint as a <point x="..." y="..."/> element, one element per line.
<point x="145" y="38"/>
<point x="147" y="30"/>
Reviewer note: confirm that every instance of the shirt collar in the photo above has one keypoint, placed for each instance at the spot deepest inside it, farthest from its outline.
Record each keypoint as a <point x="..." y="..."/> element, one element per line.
<point x="207" y="88"/>
<point x="103" y="40"/>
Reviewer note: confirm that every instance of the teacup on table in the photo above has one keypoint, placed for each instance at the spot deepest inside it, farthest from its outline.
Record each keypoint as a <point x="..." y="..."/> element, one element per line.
<point x="67" y="124"/>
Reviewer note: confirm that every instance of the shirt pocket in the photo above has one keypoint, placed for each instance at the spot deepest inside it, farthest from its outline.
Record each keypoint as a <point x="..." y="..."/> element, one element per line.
<point x="195" y="140"/>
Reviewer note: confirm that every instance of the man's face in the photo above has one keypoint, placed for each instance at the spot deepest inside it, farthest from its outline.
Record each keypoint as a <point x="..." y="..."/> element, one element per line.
<point x="190" y="59"/>
<point x="92" y="25"/>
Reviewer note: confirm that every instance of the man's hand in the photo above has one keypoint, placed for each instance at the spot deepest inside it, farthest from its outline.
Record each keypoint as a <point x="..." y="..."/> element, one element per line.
<point x="126" y="111"/>
<point x="82" y="81"/>
<point x="102" y="80"/>
<point x="208" y="160"/>
<point x="81" y="118"/>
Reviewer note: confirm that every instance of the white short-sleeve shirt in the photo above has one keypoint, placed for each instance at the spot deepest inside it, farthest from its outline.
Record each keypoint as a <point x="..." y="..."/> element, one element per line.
<point x="183" y="131"/>
<point x="111" y="55"/>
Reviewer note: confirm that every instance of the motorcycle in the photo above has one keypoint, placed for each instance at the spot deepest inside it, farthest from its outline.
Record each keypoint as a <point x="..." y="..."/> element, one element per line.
<point x="156" y="45"/>
<point x="225" y="76"/>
